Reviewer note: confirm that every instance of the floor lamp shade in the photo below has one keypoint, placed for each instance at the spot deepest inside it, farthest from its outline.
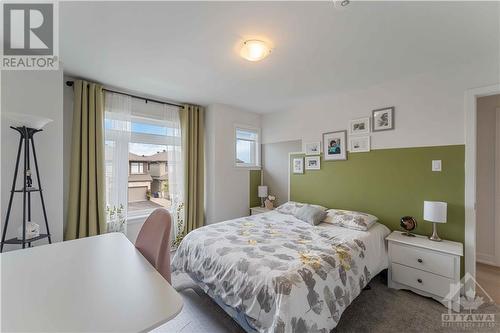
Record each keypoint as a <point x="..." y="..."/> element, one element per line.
<point x="435" y="212"/>
<point x="27" y="120"/>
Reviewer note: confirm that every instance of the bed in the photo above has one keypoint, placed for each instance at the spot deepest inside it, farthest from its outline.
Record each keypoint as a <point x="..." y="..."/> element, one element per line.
<point x="275" y="273"/>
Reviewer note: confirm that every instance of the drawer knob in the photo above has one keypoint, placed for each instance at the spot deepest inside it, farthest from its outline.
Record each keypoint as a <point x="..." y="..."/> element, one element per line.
<point x="419" y="280"/>
<point x="419" y="260"/>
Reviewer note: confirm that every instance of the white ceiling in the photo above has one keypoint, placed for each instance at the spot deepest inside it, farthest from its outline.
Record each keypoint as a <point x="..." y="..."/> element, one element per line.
<point x="189" y="51"/>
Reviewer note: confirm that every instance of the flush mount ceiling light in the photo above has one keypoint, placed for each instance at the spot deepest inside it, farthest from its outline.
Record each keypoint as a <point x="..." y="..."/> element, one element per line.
<point x="255" y="50"/>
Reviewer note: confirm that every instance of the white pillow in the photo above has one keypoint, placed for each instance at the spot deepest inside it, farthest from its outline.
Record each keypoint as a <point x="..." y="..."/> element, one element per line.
<point x="291" y="207"/>
<point x="350" y="219"/>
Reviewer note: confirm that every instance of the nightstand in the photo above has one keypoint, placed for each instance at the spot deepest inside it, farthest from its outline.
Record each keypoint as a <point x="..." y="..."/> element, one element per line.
<point x="259" y="210"/>
<point x="425" y="267"/>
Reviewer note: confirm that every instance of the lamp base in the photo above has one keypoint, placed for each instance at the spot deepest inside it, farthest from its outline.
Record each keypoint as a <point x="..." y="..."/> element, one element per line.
<point x="434" y="237"/>
<point x="262" y="204"/>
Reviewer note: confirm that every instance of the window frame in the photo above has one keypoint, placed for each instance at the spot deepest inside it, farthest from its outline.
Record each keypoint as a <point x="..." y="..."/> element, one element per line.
<point x="140" y="165"/>
<point x="257" y="130"/>
<point x="147" y="138"/>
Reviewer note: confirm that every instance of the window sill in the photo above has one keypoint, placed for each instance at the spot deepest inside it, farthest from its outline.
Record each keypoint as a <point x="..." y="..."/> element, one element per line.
<point x="248" y="167"/>
<point x="135" y="219"/>
<point x="141" y="216"/>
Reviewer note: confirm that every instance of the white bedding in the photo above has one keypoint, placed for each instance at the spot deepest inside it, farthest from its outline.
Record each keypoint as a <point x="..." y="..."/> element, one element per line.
<point x="283" y="274"/>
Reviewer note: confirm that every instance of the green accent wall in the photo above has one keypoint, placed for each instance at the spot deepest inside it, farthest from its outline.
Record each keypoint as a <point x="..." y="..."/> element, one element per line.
<point x="255" y="177"/>
<point x="391" y="183"/>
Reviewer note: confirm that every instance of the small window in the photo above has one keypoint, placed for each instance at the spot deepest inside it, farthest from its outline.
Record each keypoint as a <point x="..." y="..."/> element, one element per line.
<point x="247" y="147"/>
<point x="136" y="168"/>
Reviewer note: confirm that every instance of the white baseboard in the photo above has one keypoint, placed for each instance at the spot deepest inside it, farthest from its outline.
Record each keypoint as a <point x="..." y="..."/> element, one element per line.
<point x="487" y="259"/>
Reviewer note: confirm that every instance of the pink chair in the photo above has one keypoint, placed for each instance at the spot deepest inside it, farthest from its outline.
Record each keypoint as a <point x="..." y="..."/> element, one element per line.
<point x="153" y="241"/>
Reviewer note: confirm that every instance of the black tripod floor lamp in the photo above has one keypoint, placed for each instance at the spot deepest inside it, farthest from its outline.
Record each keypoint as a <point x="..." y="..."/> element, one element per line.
<point x="26" y="143"/>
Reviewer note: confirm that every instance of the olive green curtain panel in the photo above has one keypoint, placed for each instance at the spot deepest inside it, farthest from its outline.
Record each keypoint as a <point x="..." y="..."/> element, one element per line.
<point x="193" y="127"/>
<point x="86" y="208"/>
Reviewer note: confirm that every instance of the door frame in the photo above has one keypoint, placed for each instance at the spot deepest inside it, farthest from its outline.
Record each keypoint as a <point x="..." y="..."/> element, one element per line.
<point x="471" y="97"/>
<point x="497" y="189"/>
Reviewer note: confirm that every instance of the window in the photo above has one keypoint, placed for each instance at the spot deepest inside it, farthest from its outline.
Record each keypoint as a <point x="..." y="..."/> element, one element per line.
<point x="247" y="147"/>
<point x="143" y="156"/>
<point x="136" y="168"/>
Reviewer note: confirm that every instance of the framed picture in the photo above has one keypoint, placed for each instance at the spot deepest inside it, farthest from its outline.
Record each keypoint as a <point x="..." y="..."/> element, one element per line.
<point x="313" y="148"/>
<point x="313" y="163"/>
<point x="359" y="144"/>
<point x="359" y="126"/>
<point x="298" y="165"/>
<point x="334" y="146"/>
<point x="383" y="119"/>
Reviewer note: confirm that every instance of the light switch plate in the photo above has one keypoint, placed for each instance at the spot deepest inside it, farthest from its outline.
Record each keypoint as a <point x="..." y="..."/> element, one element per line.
<point x="436" y="165"/>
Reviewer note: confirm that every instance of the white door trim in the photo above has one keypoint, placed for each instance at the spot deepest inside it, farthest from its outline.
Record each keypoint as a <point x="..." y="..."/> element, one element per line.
<point x="470" y="175"/>
<point x="497" y="190"/>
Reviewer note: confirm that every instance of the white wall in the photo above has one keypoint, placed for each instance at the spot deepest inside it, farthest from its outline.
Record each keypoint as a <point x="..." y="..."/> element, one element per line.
<point x="39" y="93"/>
<point x="227" y="187"/>
<point x="429" y="109"/>
<point x="275" y="168"/>
<point x="487" y="152"/>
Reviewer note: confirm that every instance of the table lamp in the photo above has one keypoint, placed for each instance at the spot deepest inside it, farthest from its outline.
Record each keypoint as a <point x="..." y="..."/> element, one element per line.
<point x="262" y="194"/>
<point x="435" y="212"/>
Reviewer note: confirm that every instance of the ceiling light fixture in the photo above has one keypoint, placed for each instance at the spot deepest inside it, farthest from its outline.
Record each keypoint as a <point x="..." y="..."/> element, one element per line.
<point x="255" y="50"/>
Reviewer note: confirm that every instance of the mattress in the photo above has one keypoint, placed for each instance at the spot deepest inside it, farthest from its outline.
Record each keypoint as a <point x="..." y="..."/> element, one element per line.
<point x="281" y="274"/>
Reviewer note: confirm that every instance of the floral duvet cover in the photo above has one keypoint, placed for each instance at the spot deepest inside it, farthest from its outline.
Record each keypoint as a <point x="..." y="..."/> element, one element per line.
<point x="283" y="274"/>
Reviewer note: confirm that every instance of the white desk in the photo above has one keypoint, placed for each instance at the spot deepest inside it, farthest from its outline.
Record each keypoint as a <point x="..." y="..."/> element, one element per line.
<point x="95" y="284"/>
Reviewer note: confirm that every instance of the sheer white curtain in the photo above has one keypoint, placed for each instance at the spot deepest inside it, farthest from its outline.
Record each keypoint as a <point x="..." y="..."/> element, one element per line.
<point x="147" y="129"/>
<point x="118" y="125"/>
<point x="175" y="167"/>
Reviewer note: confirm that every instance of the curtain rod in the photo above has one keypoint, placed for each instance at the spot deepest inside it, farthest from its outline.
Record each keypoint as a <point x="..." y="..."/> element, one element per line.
<point x="70" y="84"/>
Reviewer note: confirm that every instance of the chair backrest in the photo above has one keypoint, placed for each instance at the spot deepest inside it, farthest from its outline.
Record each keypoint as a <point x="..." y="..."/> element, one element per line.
<point x="153" y="241"/>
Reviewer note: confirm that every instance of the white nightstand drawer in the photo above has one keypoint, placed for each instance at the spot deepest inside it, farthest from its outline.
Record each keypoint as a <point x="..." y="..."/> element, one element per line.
<point x="425" y="281"/>
<point x="422" y="259"/>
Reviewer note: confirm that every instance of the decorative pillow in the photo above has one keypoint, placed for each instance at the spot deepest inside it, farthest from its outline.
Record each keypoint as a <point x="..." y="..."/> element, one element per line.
<point x="350" y="219"/>
<point x="310" y="214"/>
<point x="291" y="207"/>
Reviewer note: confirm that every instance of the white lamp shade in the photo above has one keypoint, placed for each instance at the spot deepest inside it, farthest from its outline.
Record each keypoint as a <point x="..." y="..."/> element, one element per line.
<point x="28" y="120"/>
<point x="262" y="191"/>
<point x="435" y="211"/>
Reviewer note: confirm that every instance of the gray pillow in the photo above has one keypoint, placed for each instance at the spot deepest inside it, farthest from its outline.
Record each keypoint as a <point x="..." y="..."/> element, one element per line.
<point x="310" y="214"/>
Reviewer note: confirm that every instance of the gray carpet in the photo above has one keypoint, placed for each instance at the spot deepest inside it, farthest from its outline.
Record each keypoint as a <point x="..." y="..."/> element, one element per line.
<point x="378" y="309"/>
